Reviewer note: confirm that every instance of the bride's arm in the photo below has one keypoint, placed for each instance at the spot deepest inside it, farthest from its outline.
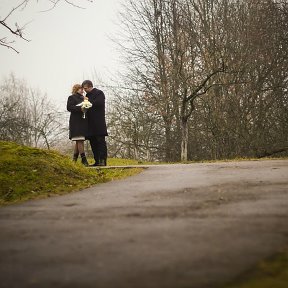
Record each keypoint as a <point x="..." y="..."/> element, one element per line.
<point x="71" y="105"/>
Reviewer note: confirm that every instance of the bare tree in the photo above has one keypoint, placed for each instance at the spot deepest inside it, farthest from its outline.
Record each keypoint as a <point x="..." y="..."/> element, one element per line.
<point x="148" y="67"/>
<point x="168" y="62"/>
<point x="214" y="70"/>
<point x="46" y="122"/>
<point x="133" y="127"/>
<point x="246" y="116"/>
<point x="27" y="116"/>
<point x="14" y="114"/>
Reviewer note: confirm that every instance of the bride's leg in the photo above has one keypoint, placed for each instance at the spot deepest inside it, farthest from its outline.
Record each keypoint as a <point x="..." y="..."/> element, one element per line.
<point x="76" y="152"/>
<point x="82" y="153"/>
<point x="80" y="144"/>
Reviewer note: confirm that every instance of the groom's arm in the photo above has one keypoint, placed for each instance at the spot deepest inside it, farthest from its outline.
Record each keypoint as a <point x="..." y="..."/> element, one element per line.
<point x="97" y="99"/>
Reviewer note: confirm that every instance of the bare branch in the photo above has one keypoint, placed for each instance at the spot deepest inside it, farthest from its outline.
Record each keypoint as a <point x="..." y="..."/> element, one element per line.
<point x="55" y="3"/>
<point x="197" y="92"/>
<point x="7" y="44"/>
<point x="24" y="3"/>
<point x="18" y="31"/>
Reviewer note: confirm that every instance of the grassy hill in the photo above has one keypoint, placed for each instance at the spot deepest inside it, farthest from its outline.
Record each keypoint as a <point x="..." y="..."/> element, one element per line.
<point x="271" y="272"/>
<point x="28" y="173"/>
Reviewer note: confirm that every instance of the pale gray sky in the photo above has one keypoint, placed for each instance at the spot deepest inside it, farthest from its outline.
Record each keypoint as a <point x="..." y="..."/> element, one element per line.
<point x="67" y="44"/>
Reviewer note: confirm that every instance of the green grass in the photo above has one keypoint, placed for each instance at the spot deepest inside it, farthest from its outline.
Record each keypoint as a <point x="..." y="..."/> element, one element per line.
<point x="123" y="162"/>
<point x="269" y="273"/>
<point x="29" y="173"/>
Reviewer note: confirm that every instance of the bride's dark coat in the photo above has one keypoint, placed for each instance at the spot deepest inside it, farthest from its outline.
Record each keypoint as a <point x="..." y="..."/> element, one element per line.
<point x="96" y="114"/>
<point x="77" y="125"/>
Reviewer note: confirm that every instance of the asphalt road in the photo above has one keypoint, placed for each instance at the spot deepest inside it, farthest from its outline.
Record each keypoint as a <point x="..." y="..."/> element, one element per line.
<point x="196" y="226"/>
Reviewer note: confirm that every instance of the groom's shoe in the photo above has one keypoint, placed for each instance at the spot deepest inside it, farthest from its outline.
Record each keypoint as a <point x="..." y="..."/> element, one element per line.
<point x="102" y="162"/>
<point x="94" y="165"/>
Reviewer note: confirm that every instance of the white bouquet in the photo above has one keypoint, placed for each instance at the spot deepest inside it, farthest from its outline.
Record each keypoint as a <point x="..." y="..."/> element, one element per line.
<point x="85" y="105"/>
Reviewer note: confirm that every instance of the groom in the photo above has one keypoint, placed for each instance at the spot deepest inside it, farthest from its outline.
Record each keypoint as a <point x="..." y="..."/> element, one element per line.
<point x="97" y="129"/>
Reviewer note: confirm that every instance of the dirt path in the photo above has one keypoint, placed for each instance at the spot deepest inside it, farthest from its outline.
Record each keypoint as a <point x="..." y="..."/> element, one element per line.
<point x="196" y="226"/>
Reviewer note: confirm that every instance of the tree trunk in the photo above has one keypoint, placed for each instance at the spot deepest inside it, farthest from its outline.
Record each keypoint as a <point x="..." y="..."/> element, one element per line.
<point x="184" y="140"/>
<point x="136" y="152"/>
<point x="168" y="156"/>
<point x="46" y="141"/>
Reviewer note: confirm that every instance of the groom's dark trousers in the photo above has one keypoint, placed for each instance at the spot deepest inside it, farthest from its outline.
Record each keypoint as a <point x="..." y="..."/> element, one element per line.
<point x="99" y="148"/>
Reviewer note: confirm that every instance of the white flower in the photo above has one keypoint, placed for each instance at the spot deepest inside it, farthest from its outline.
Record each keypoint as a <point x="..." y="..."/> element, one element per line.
<point x="85" y="105"/>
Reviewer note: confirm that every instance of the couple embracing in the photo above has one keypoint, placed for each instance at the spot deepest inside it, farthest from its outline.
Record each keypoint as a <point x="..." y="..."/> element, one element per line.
<point x="89" y="123"/>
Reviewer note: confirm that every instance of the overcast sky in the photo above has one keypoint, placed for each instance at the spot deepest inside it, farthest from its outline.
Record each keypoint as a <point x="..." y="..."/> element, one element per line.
<point x="67" y="45"/>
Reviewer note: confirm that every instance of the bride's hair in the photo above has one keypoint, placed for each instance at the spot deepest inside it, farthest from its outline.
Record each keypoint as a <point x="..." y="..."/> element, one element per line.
<point x="75" y="88"/>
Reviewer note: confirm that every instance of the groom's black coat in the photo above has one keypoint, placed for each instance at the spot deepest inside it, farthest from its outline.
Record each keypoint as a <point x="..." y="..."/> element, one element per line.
<point x="96" y="114"/>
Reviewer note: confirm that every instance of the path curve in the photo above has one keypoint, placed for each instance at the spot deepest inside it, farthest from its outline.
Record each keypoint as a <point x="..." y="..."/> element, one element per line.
<point x="184" y="225"/>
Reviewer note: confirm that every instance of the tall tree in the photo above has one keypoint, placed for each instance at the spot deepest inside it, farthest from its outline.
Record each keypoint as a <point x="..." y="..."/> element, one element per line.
<point x="215" y="71"/>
